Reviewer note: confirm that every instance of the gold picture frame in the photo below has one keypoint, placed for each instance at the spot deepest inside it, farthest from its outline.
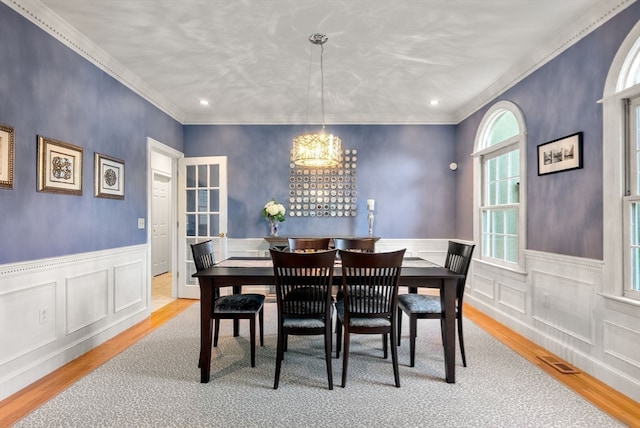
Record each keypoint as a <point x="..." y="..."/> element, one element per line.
<point x="59" y="167"/>
<point x="108" y="177"/>
<point x="6" y="157"/>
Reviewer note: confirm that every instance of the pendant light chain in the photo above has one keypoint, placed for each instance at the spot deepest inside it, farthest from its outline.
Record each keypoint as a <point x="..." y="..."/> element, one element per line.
<point x="322" y="82"/>
<point x="309" y="83"/>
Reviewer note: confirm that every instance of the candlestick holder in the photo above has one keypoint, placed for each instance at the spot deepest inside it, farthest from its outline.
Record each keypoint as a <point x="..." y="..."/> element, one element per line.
<point x="370" y="220"/>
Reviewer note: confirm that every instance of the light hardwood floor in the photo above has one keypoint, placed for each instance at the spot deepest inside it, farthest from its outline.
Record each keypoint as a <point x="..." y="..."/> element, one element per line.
<point x="14" y="408"/>
<point x="160" y="291"/>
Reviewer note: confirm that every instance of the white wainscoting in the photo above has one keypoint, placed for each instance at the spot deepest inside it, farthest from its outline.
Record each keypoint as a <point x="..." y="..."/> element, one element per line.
<point x="53" y="310"/>
<point x="557" y="304"/>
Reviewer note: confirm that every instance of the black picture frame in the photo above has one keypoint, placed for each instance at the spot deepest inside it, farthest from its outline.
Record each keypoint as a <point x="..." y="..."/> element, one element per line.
<point x="562" y="154"/>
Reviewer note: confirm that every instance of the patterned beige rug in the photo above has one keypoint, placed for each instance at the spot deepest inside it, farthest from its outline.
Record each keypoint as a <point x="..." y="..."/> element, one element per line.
<point x="155" y="383"/>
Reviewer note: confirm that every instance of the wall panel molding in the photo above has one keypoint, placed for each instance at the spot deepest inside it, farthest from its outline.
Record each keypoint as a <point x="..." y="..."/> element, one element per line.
<point x="129" y="287"/>
<point x="512" y="298"/>
<point x="53" y="310"/>
<point x="622" y="343"/>
<point x="566" y="314"/>
<point x="563" y="303"/>
<point x="22" y="328"/>
<point x="87" y="299"/>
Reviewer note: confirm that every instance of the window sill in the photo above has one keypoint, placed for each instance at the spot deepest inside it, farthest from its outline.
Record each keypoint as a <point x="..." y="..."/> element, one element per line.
<point x="621" y="299"/>
<point x="516" y="270"/>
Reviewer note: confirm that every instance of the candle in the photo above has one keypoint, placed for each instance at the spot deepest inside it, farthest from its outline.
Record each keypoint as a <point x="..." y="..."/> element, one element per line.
<point x="371" y="204"/>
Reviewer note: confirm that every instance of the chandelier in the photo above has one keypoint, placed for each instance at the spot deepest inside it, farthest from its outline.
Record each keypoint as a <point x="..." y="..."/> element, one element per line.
<point x="319" y="150"/>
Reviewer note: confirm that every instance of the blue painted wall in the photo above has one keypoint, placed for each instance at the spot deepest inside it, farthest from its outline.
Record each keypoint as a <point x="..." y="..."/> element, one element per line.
<point x="404" y="168"/>
<point x="564" y="210"/>
<point x="46" y="89"/>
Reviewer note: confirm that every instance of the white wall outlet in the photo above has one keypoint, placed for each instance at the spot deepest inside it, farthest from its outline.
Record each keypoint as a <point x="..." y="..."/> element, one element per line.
<point x="141" y="223"/>
<point x="43" y="314"/>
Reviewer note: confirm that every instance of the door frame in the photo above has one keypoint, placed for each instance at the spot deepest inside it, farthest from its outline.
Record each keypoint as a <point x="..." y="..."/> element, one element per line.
<point x="154" y="146"/>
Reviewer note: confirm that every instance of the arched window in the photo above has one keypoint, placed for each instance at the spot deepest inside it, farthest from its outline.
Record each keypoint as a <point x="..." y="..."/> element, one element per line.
<point x="621" y="171"/>
<point x="499" y="174"/>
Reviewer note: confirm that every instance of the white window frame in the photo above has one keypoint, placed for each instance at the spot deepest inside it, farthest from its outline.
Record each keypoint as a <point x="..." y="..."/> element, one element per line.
<point x="618" y="172"/>
<point x="480" y="154"/>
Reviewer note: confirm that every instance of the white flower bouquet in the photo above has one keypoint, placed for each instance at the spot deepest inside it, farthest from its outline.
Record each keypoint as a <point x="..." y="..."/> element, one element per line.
<point x="273" y="211"/>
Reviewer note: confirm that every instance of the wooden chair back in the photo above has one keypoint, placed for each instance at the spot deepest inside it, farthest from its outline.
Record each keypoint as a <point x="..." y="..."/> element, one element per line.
<point x="458" y="260"/>
<point x="308" y="244"/>
<point x="203" y="256"/>
<point x="303" y="283"/>
<point x="367" y="245"/>
<point x="370" y="283"/>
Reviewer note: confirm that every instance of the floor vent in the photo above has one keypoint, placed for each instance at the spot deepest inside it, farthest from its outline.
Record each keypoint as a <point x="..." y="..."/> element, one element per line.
<point x="557" y="364"/>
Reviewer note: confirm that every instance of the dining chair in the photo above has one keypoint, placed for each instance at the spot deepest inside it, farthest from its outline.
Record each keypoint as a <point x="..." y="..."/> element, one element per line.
<point x="369" y="301"/>
<point x="363" y="245"/>
<point x="235" y="306"/>
<point x="421" y="306"/>
<point x="367" y="245"/>
<point x="312" y="272"/>
<point x="304" y="245"/>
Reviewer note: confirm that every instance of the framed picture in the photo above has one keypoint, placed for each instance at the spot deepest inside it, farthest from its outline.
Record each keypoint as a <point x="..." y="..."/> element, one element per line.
<point x="109" y="177"/>
<point x="560" y="155"/>
<point x="59" y="167"/>
<point x="6" y="157"/>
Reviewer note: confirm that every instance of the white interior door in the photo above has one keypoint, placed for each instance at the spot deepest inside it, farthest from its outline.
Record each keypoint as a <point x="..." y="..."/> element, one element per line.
<point x="202" y="215"/>
<point x="160" y="242"/>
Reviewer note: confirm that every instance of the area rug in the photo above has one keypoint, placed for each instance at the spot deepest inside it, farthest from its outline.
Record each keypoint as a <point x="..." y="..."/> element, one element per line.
<point x="156" y="383"/>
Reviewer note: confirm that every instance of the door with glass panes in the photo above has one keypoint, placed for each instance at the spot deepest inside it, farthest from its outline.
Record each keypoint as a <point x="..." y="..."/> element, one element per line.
<point x="202" y="208"/>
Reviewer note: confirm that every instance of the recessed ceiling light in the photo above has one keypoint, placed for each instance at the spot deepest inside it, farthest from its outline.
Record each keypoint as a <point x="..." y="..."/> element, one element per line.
<point x="434" y="102"/>
<point x="204" y="102"/>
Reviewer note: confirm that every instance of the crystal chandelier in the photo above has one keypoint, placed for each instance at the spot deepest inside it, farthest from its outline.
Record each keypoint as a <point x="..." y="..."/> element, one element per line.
<point x="319" y="150"/>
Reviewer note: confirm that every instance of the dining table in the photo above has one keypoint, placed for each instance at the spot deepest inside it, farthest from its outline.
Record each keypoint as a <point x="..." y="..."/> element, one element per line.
<point x="238" y="271"/>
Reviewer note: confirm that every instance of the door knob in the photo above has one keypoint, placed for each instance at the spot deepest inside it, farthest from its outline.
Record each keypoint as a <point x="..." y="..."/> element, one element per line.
<point x="221" y="235"/>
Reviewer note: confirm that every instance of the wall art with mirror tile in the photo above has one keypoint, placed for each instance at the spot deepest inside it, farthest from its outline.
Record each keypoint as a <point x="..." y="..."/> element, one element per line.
<point x="324" y="192"/>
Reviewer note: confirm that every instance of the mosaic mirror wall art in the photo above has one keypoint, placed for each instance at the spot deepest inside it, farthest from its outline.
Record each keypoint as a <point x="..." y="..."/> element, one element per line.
<point x="324" y="192"/>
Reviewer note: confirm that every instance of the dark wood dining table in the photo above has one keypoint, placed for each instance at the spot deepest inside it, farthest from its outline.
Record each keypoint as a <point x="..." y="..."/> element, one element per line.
<point x="238" y="271"/>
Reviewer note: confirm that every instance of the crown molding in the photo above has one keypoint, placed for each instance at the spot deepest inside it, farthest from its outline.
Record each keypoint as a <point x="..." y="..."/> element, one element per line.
<point x="581" y="27"/>
<point x="55" y="26"/>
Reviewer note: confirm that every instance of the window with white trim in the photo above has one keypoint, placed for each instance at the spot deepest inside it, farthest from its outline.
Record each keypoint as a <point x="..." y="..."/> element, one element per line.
<point x="498" y="158"/>
<point x="621" y="171"/>
<point x="632" y="201"/>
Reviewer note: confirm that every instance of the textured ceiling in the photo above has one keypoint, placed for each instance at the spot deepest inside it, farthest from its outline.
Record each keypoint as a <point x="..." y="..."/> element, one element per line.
<point x="384" y="61"/>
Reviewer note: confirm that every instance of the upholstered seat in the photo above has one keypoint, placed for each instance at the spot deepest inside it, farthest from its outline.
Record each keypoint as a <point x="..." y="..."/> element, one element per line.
<point x="421" y="306"/>
<point x="235" y="306"/>
<point x="239" y="303"/>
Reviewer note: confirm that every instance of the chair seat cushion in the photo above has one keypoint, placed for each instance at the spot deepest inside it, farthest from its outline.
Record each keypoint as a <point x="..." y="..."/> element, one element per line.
<point x="355" y="321"/>
<point x="239" y="303"/>
<point x="419" y="303"/>
<point x="293" y="322"/>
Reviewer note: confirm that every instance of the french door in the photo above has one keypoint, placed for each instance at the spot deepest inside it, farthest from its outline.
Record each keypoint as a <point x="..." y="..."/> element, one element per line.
<point x="202" y="215"/>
